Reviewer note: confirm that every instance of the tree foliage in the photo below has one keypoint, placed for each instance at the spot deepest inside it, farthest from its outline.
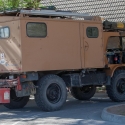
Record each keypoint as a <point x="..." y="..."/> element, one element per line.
<point x="14" y="4"/>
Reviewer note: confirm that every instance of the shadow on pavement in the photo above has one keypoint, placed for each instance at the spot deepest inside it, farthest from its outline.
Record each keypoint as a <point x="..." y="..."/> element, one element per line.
<point x="74" y="110"/>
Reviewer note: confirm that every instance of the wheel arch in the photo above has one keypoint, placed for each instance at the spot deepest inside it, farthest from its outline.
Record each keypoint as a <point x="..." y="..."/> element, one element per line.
<point x="111" y="71"/>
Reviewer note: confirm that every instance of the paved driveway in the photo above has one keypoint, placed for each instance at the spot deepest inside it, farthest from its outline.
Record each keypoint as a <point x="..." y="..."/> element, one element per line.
<point x="73" y="112"/>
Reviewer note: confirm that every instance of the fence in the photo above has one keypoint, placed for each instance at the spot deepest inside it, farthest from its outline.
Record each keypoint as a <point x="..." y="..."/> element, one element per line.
<point x="113" y="10"/>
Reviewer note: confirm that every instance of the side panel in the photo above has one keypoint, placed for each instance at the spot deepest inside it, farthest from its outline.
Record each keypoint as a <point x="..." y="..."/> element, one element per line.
<point x="10" y="48"/>
<point x="93" y="47"/>
<point x="60" y="50"/>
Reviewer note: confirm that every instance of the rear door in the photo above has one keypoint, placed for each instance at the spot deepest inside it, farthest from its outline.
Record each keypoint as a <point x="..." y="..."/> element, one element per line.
<point x="93" y="45"/>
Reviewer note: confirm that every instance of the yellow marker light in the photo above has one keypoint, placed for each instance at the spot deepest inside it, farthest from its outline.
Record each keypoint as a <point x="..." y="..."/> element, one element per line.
<point x="120" y="25"/>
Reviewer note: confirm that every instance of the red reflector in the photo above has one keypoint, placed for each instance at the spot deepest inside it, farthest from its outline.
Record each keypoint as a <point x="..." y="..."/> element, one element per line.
<point x="115" y="58"/>
<point x="23" y="76"/>
<point x="4" y="95"/>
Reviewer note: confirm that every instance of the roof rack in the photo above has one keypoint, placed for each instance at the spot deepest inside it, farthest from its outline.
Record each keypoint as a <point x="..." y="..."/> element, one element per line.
<point x="56" y="13"/>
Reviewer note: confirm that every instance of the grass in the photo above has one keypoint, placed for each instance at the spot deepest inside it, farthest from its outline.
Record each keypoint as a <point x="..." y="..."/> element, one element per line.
<point x="101" y="89"/>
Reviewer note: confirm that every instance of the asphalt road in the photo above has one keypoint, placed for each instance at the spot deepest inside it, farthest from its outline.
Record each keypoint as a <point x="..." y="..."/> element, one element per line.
<point x="74" y="112"/>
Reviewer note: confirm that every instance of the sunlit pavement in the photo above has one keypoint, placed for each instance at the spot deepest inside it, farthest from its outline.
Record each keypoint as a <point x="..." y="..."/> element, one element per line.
<point x="73" y="112"/>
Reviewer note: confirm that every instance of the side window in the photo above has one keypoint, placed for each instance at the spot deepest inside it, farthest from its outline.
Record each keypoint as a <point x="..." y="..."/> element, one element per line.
<point x="92" y="32"/>
<point x="4" y="32"/>
<point x="35" y="29"/>
<point x="113" y="43"/>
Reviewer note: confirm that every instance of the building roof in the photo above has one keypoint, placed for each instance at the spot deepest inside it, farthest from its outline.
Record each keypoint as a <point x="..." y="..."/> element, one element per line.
<point x="113" y="10"/>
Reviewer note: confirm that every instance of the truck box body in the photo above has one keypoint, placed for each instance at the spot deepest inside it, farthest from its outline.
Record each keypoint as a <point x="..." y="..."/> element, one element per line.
<point x="65" y="46"/>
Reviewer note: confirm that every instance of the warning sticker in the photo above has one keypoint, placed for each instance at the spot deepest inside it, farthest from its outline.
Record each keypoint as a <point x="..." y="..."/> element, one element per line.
<point x="2" y="55"/>
<point x="6" y="95"/>
<point x="2" y="60"/>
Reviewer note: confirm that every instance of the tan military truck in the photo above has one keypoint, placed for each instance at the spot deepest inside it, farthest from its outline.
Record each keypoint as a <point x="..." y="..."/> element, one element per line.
<point x="43" y="52"/>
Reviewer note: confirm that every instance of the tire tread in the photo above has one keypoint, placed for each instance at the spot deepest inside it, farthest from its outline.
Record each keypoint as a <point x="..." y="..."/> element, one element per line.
<point x="80" y="96"/>
<point x="39" y="95"/>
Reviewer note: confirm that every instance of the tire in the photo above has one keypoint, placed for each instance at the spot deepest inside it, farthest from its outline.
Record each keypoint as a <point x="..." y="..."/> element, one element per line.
<point x="51" y="93"/>
<point x="116" y="91"/>
<point x="83" y="93"/>
<point x="16" y="102"/>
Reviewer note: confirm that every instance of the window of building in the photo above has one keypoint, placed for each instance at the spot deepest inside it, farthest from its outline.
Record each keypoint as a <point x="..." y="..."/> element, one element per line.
<point x="4" y="32"/>
<point x="35" y="29"/>
<point x="92" y="32"/>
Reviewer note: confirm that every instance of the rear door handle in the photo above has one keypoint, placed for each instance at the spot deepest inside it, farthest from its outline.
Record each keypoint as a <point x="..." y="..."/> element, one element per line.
<point x="86" y="46"/>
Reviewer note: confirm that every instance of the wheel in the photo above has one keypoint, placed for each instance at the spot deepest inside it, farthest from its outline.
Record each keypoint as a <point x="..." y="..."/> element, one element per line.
<point x="51" y="93"/>
<point x="83" y="93"/>
<point x="116" y="91"/>
<point x="16" y="102"/>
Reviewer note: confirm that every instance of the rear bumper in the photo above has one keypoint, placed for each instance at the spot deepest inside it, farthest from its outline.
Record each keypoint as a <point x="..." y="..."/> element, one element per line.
<point x="4" y="95"/>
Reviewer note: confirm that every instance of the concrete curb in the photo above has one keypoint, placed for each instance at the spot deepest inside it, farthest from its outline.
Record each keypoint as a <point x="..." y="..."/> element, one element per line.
<point x="108" y="116"/>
